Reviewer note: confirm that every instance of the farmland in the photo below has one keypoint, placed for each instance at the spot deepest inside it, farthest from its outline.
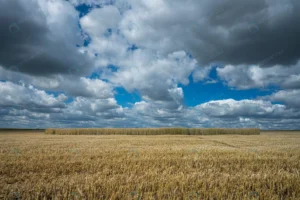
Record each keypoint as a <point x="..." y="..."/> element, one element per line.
<point x="35" y="165"/>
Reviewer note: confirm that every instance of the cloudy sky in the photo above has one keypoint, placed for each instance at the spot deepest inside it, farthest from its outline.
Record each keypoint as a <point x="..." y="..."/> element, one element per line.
<point x="150" y="63"/>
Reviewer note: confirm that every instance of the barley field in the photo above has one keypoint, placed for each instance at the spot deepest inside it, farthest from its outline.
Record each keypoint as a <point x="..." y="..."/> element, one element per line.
<point x="35" y="165"/>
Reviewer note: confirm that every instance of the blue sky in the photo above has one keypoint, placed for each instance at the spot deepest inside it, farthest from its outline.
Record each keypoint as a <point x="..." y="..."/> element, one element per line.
<point x="149" y="64"/>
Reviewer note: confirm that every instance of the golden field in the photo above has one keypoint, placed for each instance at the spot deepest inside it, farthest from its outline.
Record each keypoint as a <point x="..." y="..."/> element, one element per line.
<point x="42" y="166"/>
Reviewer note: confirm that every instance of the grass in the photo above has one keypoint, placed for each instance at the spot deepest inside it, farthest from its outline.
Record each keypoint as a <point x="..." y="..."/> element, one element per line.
<point x="41" y="166"/>
<point x="153" y="131"/>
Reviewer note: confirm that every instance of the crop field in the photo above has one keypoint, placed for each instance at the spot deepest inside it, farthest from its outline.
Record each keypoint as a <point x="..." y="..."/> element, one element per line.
<point x="35" y="165"/>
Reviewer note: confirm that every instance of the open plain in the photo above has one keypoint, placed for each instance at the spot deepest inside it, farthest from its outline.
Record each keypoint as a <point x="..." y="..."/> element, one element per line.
<point x="39" y="166"/>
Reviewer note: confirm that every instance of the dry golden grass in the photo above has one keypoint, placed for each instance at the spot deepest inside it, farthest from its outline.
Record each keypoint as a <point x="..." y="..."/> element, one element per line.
<point x="153" y="131"/>
<point x="40" y="166"/>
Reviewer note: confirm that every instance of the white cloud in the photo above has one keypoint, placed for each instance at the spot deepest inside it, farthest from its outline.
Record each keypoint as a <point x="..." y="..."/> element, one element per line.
<point x="73" y="86"/>
<point x="99" y="20"/>
<point x="28" y="97"/>
<point x="247" y="77"/>
<point x="152" y="74"/>
<point x="201" y="73"/>
<point x="289" y="97"/>
<point x="246" y="108"/>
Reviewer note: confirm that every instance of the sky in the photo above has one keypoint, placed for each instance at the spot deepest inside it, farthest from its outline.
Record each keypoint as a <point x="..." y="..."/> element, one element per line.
<point x="150" y="63"/>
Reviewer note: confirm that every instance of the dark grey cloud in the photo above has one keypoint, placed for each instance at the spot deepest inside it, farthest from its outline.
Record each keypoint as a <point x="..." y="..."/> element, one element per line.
<point x="248" y="32"/>
<point x="31" y="43"/>
<point x="233" y="32"/>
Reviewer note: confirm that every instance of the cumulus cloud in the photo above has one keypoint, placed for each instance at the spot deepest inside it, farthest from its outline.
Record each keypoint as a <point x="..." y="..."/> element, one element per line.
<point x="99" y="20"/>
<point x="246" y="108"/>
<point x="289" y="97"/>
<point x="154" y="76"/>
<point x="29" y="98"/>
<point x="201" y="73"/>
<point x="72" y="86"/>
<point x="27" y="103"/>
<point x="247" y="77"/>
<point x="84" y="87"/>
